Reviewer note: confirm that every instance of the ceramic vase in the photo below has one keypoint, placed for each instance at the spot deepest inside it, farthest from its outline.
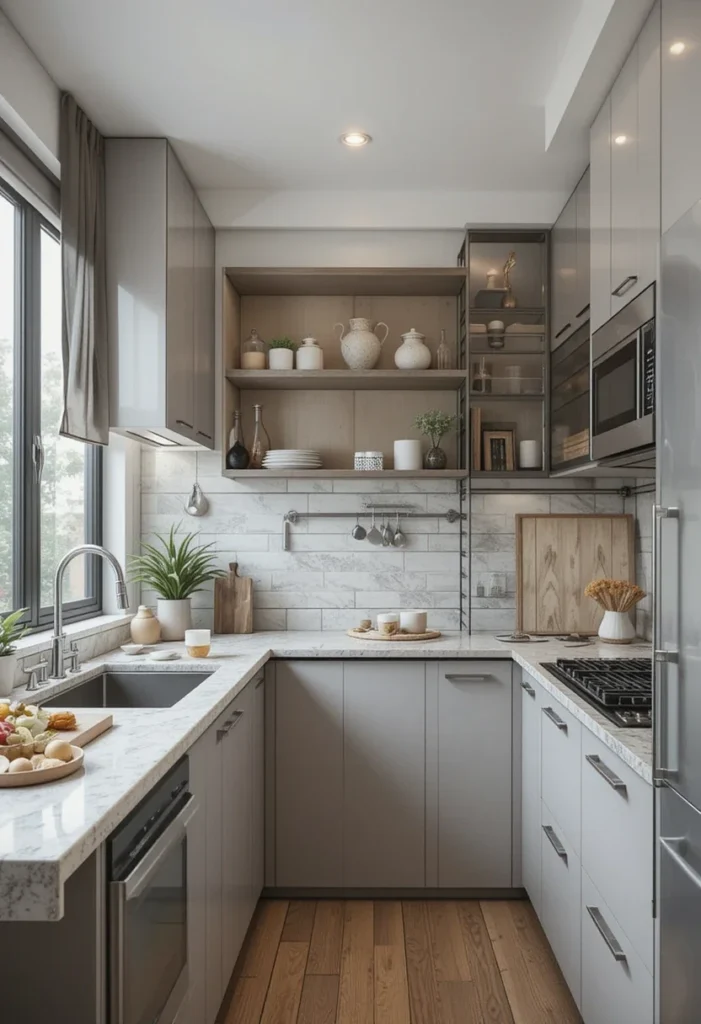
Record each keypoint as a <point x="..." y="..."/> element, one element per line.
<point x="413" y="354"/>
<point x="281" y="359"/>
<point x="435" y="458"/>
<point x="8" y="664"/>
<point x="361" y="347"/>
<point x="309" y="355"/>
<point x="175" y="617"/>
<point x="145" y="627"/>
<point x="616" y="628"/>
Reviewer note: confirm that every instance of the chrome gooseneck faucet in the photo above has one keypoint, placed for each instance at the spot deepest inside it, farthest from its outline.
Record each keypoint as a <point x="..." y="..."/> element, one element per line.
<point x="58" y="652"/>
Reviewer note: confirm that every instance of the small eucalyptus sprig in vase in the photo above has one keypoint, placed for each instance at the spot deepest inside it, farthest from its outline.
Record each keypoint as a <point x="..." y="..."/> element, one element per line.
<point x="11" y="630"/>
<point x="436" y="425"/>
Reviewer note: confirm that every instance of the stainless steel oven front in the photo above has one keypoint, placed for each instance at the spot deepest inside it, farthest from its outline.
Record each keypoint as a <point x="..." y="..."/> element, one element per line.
<point x="147" y="858"/>
<point x="623" y="380"/>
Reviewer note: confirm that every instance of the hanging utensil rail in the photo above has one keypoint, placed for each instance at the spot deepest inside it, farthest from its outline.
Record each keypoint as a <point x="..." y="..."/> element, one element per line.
<point x="452" y="516"/>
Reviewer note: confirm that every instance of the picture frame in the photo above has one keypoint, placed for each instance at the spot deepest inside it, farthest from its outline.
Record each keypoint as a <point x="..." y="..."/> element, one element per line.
<point x="499" y="451"/>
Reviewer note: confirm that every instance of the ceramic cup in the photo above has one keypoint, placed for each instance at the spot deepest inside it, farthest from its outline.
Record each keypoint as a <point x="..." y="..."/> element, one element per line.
<point x="407" y="455"/>
<point x="197" y="642"/>
<point x="388" y="623"/>
<point x="413" y="621"/>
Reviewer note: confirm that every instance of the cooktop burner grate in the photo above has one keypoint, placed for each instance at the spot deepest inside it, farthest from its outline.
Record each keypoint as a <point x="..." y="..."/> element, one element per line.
<point x="620" y="688"/>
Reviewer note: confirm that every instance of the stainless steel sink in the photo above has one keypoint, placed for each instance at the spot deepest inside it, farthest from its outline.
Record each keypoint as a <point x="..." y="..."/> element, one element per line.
<point x="129" y="690"/>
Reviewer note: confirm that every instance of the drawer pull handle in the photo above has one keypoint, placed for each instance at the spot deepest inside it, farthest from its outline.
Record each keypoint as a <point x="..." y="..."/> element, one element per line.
<point x="184" y="423"/>
<point x="555" y="842"/>
<point x="605" y="772"/>
<point x="563" y="329"/>
<point x="625" y="285"/>
<point x="259" y="682"/>
<point x="555" y="719"/>
<point x="528" y="688"/>
<point x="583" y="310"/>
<point x="606" y="934"/>
<point x="201" y="433"/>
<point x="466" y="678"/>
<point x="229" y="725"/>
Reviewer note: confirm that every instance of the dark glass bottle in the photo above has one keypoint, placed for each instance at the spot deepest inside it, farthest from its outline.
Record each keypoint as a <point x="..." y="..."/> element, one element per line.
<point x="237" y="456"/>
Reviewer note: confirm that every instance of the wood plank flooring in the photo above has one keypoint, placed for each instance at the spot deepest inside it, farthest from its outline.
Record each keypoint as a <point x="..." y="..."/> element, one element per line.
<point x="397" y="962"/>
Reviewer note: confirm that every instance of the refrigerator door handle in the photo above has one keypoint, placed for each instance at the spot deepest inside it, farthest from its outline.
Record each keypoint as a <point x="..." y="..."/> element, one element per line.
<point x="676" y="849"/>
<point x="663" y="766"/>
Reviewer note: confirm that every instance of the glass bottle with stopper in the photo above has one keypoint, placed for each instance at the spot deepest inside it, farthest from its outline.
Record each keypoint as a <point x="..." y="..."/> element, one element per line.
<point x="261" y="441"/>
<point x="253" y="352"/>
<point x="237" y="456"/>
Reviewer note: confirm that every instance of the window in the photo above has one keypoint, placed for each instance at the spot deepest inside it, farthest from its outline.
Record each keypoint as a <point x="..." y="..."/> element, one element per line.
<point x="49" y="485"/>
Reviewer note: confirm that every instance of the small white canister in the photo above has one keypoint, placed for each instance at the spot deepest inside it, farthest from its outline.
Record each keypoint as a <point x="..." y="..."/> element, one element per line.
<point x="413" y="621"/>
<point x="530" y="455"/>
<point x="367" y="461"/>
<point x="407" y="455"/>
<point x="387" y="623"/>
<point x="309" y="355"/>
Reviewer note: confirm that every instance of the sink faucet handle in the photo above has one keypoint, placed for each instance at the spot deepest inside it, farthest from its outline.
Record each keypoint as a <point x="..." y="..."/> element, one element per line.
<point x="37" y="675"/>
<point x="73" y="657"/>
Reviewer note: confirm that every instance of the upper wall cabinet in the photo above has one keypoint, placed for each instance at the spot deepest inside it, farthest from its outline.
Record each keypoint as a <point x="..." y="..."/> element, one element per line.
<point x="625" y="180"/>
<point x="570" y="265"/>
<point x="160" y="297"/>
<point x="681" y="111"/>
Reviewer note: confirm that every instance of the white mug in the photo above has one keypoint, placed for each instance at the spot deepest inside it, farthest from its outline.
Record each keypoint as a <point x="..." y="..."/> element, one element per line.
<point x="407" y="455"/>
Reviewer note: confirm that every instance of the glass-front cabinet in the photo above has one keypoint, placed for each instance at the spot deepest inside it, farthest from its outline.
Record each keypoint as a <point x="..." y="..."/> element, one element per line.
<point x="570" y="401"/>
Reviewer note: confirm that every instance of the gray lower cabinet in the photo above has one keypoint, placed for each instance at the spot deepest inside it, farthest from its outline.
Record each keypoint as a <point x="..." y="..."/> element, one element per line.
<point x="197" y="885"/>
<point x="561" y="899"/>
<point x="384" y="790"/>
<point x="531" y="833"/>
<point x="474" y="774"/>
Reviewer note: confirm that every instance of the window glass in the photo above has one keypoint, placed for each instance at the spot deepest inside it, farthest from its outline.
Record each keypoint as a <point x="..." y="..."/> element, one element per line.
<point x="8" y="218"/>
<point x="62" y="496"/>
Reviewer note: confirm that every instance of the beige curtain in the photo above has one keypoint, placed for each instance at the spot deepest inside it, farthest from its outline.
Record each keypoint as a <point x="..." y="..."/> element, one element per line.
<point x="85" y="369"/>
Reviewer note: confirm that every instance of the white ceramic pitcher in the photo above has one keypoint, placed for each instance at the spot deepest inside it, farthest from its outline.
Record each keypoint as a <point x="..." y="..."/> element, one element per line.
<point x="361" y="347"/>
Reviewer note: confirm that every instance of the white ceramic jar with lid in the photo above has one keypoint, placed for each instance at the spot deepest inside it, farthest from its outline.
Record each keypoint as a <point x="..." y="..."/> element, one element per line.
<point x="413" y="354"/>
<point x="309" y="355"/>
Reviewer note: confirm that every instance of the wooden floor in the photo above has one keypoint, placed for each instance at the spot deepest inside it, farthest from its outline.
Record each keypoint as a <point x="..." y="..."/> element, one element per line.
<point x="397" y="962"/>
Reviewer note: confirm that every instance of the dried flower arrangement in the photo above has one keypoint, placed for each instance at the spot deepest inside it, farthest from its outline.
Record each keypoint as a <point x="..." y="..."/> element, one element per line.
<point x="614" y="595"/>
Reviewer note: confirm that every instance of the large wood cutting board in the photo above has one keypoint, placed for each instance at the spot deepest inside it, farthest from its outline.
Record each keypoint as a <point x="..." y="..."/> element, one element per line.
<point x="556" y="556"/>
<point x="233" y="602"/>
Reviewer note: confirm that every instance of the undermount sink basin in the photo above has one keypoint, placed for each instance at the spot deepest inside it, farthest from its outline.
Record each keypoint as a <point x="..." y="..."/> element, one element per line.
<point x="129" y="690"/>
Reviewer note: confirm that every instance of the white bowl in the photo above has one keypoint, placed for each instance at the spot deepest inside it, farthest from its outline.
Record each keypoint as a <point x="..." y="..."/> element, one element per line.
<point x="133" y="648"/>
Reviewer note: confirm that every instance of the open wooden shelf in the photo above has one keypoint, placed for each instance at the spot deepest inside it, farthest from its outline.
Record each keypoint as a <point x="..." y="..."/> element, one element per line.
<point x="348" y="380"/>
<point x="347" y="280"/>
<point x="525" y="474"/>
<point x="348" y="474"/>
<point x="478" y="397"/>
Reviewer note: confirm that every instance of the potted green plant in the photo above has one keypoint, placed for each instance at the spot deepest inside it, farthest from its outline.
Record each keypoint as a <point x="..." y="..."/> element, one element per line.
<point x="176" y="569"/>
<point x="10" y="632"/>
<point x="281" y="353"/>
<point x="436" y="425"/>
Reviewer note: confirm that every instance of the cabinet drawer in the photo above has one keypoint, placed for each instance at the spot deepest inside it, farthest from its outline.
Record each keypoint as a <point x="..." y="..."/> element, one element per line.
<point x="617" y="842"/>
<point x="561" y="749"/>
<point x="561" y="898"/>
<point x="616" y="985"/>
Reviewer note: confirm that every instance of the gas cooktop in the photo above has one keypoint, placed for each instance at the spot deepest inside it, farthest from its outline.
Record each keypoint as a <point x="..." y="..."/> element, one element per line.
<point x="620" y="688"/>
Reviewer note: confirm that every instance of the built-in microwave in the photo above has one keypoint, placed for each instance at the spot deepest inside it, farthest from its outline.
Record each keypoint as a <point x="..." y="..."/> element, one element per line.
<point x="623" y="380"/>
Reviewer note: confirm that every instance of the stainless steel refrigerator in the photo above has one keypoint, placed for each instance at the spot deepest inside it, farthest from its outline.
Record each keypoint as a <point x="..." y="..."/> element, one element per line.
<point x="677" y="640"/>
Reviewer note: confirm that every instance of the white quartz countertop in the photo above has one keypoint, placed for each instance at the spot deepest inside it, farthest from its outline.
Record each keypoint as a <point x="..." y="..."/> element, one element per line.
<point x="48" y="831"/>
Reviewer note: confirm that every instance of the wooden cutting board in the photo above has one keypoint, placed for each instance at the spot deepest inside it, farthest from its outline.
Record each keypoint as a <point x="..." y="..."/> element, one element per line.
<point x="556" y="556"/>
<point x="91" y="724"/>
<point x="233" y="602"/>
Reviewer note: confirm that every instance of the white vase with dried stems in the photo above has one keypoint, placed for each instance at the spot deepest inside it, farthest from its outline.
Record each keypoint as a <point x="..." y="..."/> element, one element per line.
<point x="617" y="598"/>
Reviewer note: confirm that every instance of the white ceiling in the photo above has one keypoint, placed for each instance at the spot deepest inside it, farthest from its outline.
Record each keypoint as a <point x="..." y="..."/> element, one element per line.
<point x="254" y="93"/>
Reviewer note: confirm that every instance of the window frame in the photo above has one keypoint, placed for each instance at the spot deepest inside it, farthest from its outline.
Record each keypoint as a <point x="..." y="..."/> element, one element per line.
<point x="26" y="533"/>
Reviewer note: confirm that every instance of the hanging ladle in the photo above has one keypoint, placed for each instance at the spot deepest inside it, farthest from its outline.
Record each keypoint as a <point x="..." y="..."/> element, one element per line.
<point x="399" y="540"/>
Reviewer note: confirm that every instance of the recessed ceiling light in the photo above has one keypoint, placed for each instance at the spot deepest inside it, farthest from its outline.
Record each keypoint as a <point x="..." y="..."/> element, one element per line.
<point x="620" y="140"/>
<point x="355" y="139"/>
<point x="677" y="48"/>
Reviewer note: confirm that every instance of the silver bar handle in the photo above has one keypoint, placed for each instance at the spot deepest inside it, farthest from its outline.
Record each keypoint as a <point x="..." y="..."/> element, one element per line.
<point x="555" y="842"/>
<point x="615" y="948"/>
<point x="661" y="767"/>
<point x="605" y="772"/>
<point x="555" y="719"/>
<point x="676" y="849"/>
<point x="625" y="285"/>
<point x="38" y="457"/>
<point x="468" y="677"/>
<point x="528" y="688"/>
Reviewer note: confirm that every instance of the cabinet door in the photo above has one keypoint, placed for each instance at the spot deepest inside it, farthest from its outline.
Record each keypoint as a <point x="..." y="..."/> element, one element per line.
<point x="561" y="779"/>
<point x="564" y="271"/>
<point x="236" y="829"/>
<point x="557" y="298"/>
<point x="600" y="216"/>
<point x="681" y="111"/>
<point x="625" y="202"/>
<point x="531" y="833"/>
<point x="582" y="299"/>
<point x="649" y="154"/>
<point x="474" y="774"/>
<point x="203" y="332"/>
<point x="309" y="774"/>
<point x="257" y="792"/>
<point x="561" y="901"/>
<point x="180" y="375"/>
<point x="384" y="796"/>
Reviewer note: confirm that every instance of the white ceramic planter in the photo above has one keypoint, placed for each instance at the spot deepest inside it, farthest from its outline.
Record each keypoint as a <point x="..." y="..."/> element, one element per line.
<point x="175" y="617"/>
<point x="281" y="359"/>
<point x="8" y="664"/>
<point x="616" y="628"/>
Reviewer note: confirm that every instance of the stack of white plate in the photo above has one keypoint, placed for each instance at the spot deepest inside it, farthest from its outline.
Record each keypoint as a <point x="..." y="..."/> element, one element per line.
<point x="292" y="458"/>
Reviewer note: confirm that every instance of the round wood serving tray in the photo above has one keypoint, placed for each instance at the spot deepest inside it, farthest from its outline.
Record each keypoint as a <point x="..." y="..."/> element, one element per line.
<point x="39" y="775"/>
<point x="373" y="634"/>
